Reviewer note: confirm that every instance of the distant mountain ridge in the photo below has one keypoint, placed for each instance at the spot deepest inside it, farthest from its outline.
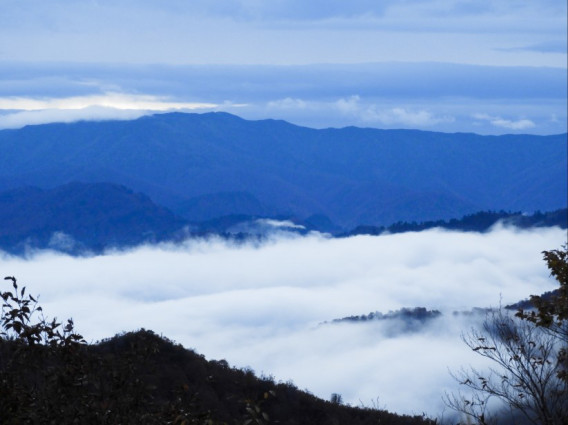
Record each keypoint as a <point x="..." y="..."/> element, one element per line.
<point x="481" y="221"/>
<point x="80" y="218"/>
<point x="204" y="166"/>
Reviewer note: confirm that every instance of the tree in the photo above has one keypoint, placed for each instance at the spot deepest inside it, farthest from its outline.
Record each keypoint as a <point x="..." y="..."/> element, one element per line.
<point x="552" y="312"/>
<point x="528" y="353"/>
<point x="50" y="375"/>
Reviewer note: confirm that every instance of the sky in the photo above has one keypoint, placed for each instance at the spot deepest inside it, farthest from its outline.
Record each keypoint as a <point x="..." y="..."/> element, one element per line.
<point x="265" y="306"/>
<point x="490" y="67"/>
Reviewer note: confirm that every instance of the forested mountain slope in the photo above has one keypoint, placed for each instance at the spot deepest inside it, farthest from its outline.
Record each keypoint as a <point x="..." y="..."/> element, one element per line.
<point x="199" y="164"/>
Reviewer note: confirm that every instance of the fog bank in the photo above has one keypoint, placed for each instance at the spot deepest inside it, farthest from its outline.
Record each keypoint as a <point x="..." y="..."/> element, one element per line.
<point x="261" y="306"/>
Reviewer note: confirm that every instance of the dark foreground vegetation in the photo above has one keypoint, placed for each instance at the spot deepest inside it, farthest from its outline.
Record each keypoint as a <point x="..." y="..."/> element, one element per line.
<point x="50" y="375"/>
<point x="528" y="352"/>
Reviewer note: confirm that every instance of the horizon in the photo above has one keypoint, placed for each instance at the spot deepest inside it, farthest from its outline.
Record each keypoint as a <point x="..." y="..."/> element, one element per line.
<point x="439" y="65"/>
<point x="150" y="114"/>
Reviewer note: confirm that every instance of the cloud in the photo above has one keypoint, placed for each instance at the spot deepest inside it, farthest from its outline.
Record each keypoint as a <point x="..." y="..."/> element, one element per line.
<point x="284" y="32"/>
<point x="21" y="111"/>
<point x="107" y="100"/>
<point x="417" y="119"/>
<point x="441" y="97"/>
<point x="59" y="12"/>
<point x="552" y="46"/>
<point x="349" y="106"/>
<point x="359" y="111"/>
<point x="94" y="113"/>
<point x="522" y="124"/>
<point x="262" y="305"/>
<point x="287" y="103"/>
<point x="371" y="113"/>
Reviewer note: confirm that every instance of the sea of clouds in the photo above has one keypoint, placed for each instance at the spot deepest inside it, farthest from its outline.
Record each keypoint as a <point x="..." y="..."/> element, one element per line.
<point x="262" y="305"/>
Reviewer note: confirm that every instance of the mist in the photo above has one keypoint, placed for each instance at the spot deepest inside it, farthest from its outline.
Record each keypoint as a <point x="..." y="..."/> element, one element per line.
<point x="263" y="306"/>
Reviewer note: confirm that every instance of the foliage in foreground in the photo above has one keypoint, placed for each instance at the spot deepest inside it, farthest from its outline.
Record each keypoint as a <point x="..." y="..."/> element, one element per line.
<point x="528" y="382"/>
<point x="50" y="375"/>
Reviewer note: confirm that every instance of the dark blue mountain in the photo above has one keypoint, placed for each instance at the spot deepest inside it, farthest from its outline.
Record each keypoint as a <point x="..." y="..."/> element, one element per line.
<point x="79" y="217"/>
<point x="482" y="221"/>
<point x="204" y="166"/>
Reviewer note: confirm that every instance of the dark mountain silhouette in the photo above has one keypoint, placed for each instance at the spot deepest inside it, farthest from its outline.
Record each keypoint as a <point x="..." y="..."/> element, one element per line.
<point x="78" y="216"/>
<point x="209" y="165"/>
<point x="49" y="374"/>
<point x="420" y="314"/>
<point x="403" y="321"/>
<point x="479" y="222"/>
<point x="142" y="378"/>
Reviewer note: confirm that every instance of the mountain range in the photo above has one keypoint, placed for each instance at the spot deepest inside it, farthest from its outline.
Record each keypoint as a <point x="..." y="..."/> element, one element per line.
<point x="83" y="218"/>
<point x="207" y="166"/>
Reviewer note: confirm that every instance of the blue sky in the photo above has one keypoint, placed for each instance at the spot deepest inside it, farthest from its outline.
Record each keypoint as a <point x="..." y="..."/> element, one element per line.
<point x="490" y="67"/>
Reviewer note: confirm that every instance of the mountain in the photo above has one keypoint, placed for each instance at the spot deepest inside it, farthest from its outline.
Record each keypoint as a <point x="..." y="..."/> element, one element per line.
<point x="481" y="221"/>
<point x="204" y="166"/>
<point x="142" y="378"/>
<point x="50" y="374"/>
<point x="204" y="207"/>
<point x="78" y="216"/>
<point x="82" y="218"/>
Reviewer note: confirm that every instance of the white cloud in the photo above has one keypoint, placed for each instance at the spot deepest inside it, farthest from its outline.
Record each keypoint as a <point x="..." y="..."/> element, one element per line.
<point x="108" y="100"/>
<point x="372" y="113"/>
<point x="261" y="305"/>
<point x="93" y="113"/>
<point x="349" y="106"/>
<point x="279" y="223"/>
<point x="287" y="103"/>
<point x="403" y="116"/>
<point x="522" y="124"/>
<point x="21" y="111"/>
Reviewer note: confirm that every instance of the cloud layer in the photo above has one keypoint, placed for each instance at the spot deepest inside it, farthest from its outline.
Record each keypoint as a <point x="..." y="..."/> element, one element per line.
<point x="262" y="306"/>
<point x="438" y="97"/>
<point x="284" y="32"/>
<point x="521" y="124"/>
<point x="21" y="111"/>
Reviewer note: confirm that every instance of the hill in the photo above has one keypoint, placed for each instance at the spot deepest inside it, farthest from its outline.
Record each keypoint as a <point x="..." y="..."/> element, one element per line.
<point x="481" y="221"/>
<point x="75" y="217"/>
<point x="49" y="374"/>
<point x="204" y="166"/>
<point x="79" y="218"/>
